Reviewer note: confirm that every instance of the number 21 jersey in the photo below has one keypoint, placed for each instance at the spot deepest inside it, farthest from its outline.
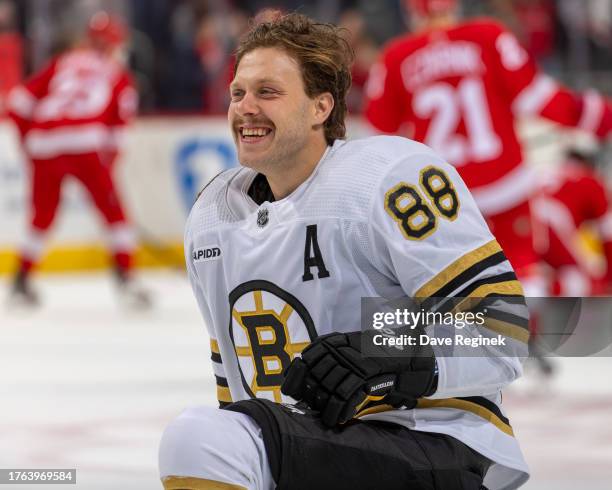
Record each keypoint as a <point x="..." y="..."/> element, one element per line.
<point x="460" y="90"/>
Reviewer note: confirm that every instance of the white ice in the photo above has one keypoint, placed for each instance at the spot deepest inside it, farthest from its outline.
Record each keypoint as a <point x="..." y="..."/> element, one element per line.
<point x="87" y="385"/>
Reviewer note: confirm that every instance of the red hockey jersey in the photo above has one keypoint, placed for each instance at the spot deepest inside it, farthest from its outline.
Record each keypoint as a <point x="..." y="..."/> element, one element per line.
<point x="78" y="104"/>
<point x="571" y="197"/>
<point x="460" y="91"/>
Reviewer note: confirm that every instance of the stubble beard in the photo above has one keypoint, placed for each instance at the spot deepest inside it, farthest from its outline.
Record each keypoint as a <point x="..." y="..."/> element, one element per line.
<point x="285" y="150"/>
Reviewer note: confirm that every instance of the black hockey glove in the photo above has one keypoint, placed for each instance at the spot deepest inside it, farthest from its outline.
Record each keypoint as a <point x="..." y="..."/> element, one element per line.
<point x="334" y="378"/>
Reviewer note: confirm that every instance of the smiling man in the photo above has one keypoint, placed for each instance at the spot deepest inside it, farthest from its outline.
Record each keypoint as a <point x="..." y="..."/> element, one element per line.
<point x="269" y="113"/>
<point x="280" y="253"/>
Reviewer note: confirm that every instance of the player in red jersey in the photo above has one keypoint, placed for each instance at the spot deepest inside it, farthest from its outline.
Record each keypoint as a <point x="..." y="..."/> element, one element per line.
<point x="573" y="196"/>
<point x="459" y="87"/>
<point x="71" y="117"/>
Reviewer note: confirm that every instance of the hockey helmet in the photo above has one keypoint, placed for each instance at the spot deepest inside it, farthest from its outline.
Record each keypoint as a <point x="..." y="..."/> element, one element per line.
<point x="106" y="29"/>
<point x="425" y="8"/>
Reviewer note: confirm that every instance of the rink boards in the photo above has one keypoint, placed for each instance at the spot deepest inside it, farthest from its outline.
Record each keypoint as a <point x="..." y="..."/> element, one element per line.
<point x="166" y="161"/>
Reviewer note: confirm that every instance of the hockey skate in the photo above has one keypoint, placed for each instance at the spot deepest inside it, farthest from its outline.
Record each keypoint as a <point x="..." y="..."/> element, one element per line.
<point x="540" y="361"/>
<point x="132" y="295"/>
<point x="22" y="295"/>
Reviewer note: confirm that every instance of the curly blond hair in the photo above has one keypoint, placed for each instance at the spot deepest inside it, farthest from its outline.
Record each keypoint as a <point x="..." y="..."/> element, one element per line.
<point x="322" y="52"/>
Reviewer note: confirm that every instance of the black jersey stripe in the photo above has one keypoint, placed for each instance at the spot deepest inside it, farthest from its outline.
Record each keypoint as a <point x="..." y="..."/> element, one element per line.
<point x="515" y="299"/>
<point x="477" y="405"/>
<point x="470" y="273"/>
<point x="496" y="279"/>
<point x="497" y="285"/>
<point x="488" y="404"/>
<point x="504" y="316"/>
<point x="458" y="267"/>
<point x="507" y="329"/>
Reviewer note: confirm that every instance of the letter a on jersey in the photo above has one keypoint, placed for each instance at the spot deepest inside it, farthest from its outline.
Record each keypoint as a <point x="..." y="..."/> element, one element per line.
<point x="312" y="255"/>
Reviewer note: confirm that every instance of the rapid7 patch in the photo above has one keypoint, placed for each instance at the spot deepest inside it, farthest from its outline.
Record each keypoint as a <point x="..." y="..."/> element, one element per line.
<point x="204" y="254"/>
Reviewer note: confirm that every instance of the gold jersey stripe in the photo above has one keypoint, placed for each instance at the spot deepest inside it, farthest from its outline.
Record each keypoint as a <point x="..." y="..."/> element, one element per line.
<point x="286" y="313"/>
<point x="475" y="297"/>
<point x="448" y="403"/>
<point x="214" y="346"/>
<point x="223" y="394"/>
<point x="244" y="351"/>
<point x="258" y="297"/>
<point x="374" y="409"/>
<point x="457" y="267"/>
<point x="468" y="407"/>
<point x="236" y="316"/>
<point x="292" y="349"/>
<point x="506" y="287"/>
<point x="191" y="483"/>
<point x="507" y="329"/>
<point x="368" y="399"/>
<point x="296" y="347"/>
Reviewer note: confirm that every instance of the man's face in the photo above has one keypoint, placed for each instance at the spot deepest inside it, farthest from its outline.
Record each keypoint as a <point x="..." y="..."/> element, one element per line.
<point x="270" y="115"/>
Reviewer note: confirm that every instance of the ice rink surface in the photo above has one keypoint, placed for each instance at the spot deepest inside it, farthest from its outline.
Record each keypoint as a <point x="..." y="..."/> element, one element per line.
<point x="85" y="384"/>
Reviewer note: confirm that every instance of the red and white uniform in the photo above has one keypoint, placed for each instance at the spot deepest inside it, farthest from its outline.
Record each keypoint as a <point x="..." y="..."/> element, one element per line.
<point x="71" y="117"/>
<point x="573" y="196"/>
<point x="460" y="90"/>
<point x="78" y="104"/>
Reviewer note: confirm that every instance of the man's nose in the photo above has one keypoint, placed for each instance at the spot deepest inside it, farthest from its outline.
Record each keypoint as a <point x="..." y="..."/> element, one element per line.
<point x="248" y="105"/>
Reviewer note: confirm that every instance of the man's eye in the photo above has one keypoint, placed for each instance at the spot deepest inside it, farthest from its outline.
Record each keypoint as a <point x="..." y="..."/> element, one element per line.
<point x="267" y="91"/>
<point x="236" y="94"/>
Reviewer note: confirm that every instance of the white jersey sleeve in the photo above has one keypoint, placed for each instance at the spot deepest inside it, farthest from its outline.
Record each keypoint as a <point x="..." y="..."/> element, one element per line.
<point x="194" y="224"/>
<point x="431" y="238"/>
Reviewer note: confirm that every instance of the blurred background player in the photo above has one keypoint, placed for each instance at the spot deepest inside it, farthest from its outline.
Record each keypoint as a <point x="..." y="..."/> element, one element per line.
<point x="459" y="87"/>
<point x="574" y="232"/>
<point x="71" y="116"/>
<point x="11" y="52"/>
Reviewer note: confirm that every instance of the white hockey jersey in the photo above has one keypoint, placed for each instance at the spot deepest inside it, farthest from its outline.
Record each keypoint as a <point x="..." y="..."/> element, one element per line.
<point x="378" y="217"/>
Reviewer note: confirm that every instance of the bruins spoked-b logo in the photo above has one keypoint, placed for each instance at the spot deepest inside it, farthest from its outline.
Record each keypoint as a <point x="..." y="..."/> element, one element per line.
<point x="268" y="327"/>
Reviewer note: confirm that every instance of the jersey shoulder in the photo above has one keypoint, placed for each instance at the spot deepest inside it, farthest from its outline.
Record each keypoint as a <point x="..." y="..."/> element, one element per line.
<point x="385" y="150"/>
<point x="482" y="29"/>
<point x="351" y="178"/>
<point x="495" y="41"/>
<point x="211" y="208"/>
<point x="362" y="160"/>
<point x="401" y="47"/>
<point x="78" y="58"/>
<point x="390" y="158"/>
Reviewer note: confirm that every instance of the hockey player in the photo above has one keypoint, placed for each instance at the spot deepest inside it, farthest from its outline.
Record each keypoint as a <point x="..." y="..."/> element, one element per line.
<point x="280" y="253"/>
<point x="71" y="117"/>
<point x="573" y="196"/>
<point x="459" y="87"/>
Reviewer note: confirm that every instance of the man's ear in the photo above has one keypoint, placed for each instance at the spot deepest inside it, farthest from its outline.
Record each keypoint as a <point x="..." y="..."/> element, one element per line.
<point x="323" y="105"/>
